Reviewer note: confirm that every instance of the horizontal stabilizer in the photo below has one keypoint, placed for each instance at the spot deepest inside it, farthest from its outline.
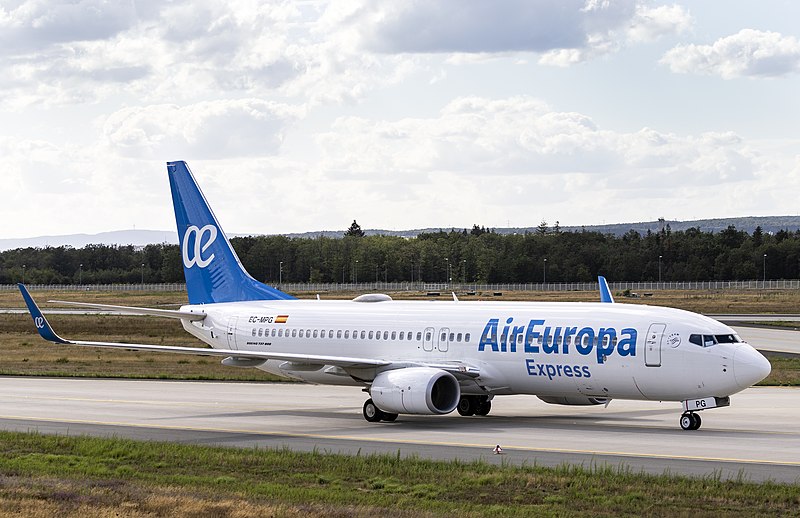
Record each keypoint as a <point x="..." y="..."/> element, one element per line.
<point x="165" y="313"/>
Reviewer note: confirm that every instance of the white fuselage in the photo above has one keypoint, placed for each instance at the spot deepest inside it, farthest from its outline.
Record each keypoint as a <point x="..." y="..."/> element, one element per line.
<point x="547" y="349"/>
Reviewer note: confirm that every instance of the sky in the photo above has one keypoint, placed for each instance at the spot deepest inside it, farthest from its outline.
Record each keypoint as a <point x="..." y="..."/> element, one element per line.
<point x="307" y="115"/>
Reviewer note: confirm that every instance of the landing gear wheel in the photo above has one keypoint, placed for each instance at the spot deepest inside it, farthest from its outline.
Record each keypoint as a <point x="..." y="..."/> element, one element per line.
<point x="690" y="421"/>
<point x="484" y="407"/>
<point x="389" y="417"/>
<point x="372" y="413"/>
<point x="466" y="406"/>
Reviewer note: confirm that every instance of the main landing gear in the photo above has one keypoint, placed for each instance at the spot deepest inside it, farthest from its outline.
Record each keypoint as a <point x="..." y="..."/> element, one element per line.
<point x="690" y="421"/>
<point x="373" y="414"/>
<point x="474" y="405"/>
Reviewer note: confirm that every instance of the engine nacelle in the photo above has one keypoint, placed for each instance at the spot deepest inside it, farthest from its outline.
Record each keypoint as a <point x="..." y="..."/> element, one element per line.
<point x="574" y="400"/>
<point x="416" y="390"/>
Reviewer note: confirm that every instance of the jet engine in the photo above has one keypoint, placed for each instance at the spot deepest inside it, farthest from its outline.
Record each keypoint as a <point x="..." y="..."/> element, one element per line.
<point x="416" y="390"/>
<point x="574" y="400"/>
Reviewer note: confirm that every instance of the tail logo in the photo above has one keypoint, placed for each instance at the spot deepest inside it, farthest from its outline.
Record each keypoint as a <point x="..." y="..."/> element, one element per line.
<point x="199" y="245"/>
<point x="39" y="322"/>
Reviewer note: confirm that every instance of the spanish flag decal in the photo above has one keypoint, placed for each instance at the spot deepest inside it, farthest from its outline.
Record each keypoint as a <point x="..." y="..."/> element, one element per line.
<point x="281" y="319"/>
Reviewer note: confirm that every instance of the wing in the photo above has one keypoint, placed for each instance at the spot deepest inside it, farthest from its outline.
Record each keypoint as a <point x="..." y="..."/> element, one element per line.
<point x="46" y="331"/>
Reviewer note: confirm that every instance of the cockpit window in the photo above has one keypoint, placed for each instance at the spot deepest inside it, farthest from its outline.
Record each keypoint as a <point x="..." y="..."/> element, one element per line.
<point x="709" y="340"/>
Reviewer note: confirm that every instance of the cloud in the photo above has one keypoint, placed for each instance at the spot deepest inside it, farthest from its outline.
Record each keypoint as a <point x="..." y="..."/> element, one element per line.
<point x="748" y="53"/>
<point x="36" y="24"/>
<point x="522" y="137"/>
<point x="210" y="129"/>
<point x="563" y="32"/>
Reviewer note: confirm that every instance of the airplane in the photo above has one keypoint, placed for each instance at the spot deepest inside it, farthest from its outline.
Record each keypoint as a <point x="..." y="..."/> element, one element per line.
<point x="431" y="358"/>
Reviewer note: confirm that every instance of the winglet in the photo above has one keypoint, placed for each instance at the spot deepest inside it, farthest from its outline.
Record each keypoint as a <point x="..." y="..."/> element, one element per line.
<point x="605" y="292"/>
<point x="41" y="323"/>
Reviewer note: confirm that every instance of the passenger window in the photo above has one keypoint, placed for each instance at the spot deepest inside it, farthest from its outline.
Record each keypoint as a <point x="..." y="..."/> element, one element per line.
<point x="339" y="333"/>
<point x="330" y="333"/>
<point x="419" y="336"/>
<point x="370" y="335"/>
<point x="280" y="332"/>
<point x="316" y="333"/>
<point x="394" y="335"/>
<point x="386" y="335"/>
<point x="364" y="334"/>
<point x="452" y="336"/>
<point x="294" y="333"/>
<point x="402" y="335"/>
<point x="378" y="335"/>
<point x="427" y="336"/>
<point x="347" y="334"/>
<point x="443" y="337"/>
<point x="458" y="337"/>
<point x="322" y="334"/>
<point x="466" y="337"/>
<point x="410" y="333"/>
<point x="301" y="333"/>
<point x="273" y="333"/>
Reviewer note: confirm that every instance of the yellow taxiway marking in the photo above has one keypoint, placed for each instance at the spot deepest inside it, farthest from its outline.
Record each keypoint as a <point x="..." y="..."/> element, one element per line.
<point x="409" y="441"/>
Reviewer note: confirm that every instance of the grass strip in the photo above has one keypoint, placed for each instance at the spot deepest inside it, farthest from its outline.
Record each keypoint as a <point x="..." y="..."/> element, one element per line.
<point x="67" y="472"/>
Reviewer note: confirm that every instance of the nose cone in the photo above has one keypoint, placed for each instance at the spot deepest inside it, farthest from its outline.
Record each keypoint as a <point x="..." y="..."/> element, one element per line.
<point x="749" y="366"/>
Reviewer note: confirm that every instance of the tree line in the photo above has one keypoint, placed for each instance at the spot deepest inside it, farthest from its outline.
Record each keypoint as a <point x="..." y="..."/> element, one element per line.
<point x="480" y="255"/>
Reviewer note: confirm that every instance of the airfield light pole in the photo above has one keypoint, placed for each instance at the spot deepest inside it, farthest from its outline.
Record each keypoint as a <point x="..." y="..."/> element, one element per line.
<point x="23" y="274"/>
<point x="463" y="271"/>
<point x="355" y="273"/>
<point x="544" y="272"/>
<point x="659" y="269"/>
<point x="765" y="270"/>
<point x="80" y="274"/>
<point x="280" y="273"/>
<point x="142" y="274"/>
<point x="376" y="274"/>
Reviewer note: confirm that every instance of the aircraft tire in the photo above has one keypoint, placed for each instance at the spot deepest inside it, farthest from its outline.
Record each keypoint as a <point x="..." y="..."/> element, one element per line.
<point x="372" y="413"/>
<point x="690" y="421"/>
<point x="484" y="407"/>
<point x="389" y="417"/>
<point x="466" y="406"/>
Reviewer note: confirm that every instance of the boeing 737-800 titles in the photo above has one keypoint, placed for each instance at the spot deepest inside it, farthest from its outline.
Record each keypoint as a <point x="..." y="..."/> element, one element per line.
<point x="433" y="358"/>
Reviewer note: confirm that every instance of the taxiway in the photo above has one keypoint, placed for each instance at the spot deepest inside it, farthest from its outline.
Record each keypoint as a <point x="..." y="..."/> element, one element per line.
<point x="756" y="438"/>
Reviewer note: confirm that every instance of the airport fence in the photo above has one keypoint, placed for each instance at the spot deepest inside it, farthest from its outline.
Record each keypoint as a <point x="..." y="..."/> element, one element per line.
<point x="444" y="288"/>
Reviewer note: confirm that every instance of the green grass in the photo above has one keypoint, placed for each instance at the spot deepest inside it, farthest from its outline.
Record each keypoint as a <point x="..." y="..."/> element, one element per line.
<point x="323" y="484"/>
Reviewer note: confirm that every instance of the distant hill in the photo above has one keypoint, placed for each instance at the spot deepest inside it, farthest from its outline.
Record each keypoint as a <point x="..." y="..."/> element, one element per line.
<point x="118" y="237"/>
<point x="769" y="224"/>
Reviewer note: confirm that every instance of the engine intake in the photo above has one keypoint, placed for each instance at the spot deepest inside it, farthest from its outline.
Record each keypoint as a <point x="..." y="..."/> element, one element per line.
<point x="416" y="390"/>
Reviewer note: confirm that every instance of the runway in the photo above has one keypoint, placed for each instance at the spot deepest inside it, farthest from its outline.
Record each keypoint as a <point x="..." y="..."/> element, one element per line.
<point x="756" y="438"/>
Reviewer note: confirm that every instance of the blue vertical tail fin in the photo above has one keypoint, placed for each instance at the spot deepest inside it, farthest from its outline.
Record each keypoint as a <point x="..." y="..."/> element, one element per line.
<point x="212" y="268"/>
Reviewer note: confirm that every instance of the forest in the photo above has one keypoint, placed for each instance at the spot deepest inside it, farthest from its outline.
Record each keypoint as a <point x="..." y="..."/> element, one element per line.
<point x="478" y="255"/>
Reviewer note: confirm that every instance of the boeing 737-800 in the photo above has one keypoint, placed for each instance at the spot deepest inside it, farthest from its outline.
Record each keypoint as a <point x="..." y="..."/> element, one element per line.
<point x="435" y="357"/>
